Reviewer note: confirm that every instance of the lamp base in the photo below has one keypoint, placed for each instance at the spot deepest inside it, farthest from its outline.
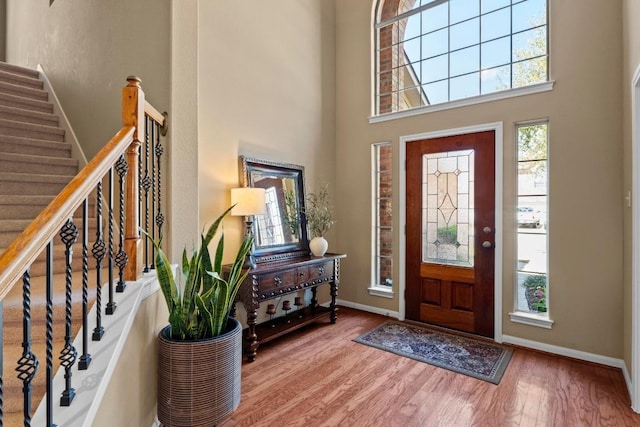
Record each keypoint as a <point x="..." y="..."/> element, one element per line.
<point x="249" y="262"/>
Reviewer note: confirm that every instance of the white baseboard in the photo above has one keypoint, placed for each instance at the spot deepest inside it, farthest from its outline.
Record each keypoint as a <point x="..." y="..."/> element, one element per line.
<point x="368" y="308"/>
<point x="574" y="354"/>
<point x="563" y="351"/>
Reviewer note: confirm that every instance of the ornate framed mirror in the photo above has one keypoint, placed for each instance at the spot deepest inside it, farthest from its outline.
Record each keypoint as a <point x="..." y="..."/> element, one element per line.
<point x="280" y="233"/>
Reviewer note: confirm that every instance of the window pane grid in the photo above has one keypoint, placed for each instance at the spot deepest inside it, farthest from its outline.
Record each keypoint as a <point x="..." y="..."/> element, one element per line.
<point x="441" y="41"/>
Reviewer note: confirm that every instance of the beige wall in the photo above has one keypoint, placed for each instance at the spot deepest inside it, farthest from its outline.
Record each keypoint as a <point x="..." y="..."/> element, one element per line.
<point x="183" y="127"/>
<point x="130" y="399"/>
<point x="265" y="89"/>
<point x="586" y="201"/>
<point x="87" y="49"/>
<point x="266" y="85"/>
<point x="631" y="55"/>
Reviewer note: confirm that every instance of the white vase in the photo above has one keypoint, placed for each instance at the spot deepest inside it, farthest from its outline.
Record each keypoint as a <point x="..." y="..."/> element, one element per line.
<point x="318" y="246"/>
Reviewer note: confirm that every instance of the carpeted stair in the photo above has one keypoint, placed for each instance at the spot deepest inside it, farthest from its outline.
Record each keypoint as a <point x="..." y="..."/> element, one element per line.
<point x="35" y="165"/>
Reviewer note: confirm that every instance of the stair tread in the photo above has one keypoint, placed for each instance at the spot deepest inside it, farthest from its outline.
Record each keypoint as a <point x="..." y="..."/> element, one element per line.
<point x="24" y="91"/>
<point x="38" y="104"/>
<point x="21" y="79"/>
<point x="34" y="177"/>
<point x="18" y="69"/>
<point x="29" y="114"/>
<point x="21" y="199"/>
<point x="21" y="224"/>
<point x="30" y="158"/>
<point x="31" y="127"/>
<point x="31" y="199"/>
<point x="35" y="142"/>
<point x="14" y="297"/>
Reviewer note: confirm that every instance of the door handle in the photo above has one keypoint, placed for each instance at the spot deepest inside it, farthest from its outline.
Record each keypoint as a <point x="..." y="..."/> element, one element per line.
<point x="486" y="244"/>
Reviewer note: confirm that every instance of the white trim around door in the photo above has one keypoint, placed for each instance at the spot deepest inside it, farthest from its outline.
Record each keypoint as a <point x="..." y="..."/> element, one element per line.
<point x="497" y="127"/>
<point x="634" y="390"/>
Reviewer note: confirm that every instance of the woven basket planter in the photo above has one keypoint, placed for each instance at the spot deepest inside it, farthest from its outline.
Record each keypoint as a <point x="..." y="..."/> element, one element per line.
<point x="199" y="381"/>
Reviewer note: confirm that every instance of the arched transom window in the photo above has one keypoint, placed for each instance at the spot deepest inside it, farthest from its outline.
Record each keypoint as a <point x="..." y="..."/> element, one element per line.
<point x="435" y="51"/>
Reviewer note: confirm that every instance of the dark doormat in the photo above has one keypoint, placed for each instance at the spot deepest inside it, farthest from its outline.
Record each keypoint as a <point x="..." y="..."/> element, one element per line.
<point x="473" y="357"/>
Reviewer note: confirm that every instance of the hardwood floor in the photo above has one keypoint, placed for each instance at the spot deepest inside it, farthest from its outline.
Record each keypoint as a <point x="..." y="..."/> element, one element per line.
<point x="320" y="377"/>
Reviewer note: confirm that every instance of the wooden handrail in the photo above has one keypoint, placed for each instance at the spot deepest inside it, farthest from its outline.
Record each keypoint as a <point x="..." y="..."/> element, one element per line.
<point x="156" y="115"/>
<point x="32" y="241"/>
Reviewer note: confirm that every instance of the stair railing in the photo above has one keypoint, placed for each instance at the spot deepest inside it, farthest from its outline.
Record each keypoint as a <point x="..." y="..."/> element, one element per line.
<point x="134" y="154"/>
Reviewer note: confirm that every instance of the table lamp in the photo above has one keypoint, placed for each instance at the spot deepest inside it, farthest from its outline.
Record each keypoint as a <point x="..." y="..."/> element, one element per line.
<point x="248" y="202"/>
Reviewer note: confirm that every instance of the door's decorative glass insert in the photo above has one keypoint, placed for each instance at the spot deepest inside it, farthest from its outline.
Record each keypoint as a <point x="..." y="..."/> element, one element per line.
<point x="447" y="208"/>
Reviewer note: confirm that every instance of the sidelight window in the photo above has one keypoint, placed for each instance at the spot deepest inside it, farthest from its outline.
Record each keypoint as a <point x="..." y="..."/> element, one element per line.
<point x="382" y="215"/>
<point x="531" y="218"/>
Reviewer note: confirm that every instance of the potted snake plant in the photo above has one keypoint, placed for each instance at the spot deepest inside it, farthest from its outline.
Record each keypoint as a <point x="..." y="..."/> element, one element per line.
<point x="200" y="351"/>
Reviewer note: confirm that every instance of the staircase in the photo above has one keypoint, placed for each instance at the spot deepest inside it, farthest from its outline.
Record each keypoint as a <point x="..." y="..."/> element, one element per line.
<point x="35" y="165"/>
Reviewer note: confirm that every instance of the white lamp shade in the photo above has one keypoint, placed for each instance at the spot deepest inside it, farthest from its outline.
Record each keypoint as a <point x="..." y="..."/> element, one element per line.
<point x="248" y="201"/>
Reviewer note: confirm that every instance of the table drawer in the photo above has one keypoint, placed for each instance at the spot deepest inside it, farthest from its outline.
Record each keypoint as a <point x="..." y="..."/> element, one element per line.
<point x="274" y="284"/>
<point x="302" y="274"/>
<point x="320" y="271"/>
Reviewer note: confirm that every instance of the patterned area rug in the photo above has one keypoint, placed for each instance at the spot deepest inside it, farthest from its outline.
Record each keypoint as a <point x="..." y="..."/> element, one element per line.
<point x="479" y="359"/>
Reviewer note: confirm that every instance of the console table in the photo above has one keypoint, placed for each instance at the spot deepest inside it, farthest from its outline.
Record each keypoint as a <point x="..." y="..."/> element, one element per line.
<point x="270" y="280"/>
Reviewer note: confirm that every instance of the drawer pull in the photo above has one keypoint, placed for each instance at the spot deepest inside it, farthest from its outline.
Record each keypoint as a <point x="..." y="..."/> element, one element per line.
<point x="277" y="280"/>
<point x="321" y="270"/>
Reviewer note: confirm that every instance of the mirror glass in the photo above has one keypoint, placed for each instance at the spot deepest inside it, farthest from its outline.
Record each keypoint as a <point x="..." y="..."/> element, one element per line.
<point x="281" y="232"/>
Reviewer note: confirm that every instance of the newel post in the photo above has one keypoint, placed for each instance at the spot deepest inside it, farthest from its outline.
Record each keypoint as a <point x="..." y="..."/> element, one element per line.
<point x="133" y="115"/>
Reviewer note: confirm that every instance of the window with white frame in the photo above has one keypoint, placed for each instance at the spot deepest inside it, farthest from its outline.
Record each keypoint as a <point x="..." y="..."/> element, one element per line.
<point x="382" y="238"/>
<point x="532" y="208"/>
<point x="434" y="51"/>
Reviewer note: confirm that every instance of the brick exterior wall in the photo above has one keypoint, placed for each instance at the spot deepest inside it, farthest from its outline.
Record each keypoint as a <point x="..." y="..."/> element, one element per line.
<point x="390" y="56"/>
<point x="385" y="213"/>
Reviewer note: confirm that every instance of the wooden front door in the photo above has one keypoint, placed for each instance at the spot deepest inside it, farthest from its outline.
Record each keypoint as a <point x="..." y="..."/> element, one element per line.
<point x="450" y="232"/>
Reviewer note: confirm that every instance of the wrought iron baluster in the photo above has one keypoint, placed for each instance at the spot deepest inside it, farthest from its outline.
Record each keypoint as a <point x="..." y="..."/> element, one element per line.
<point x="121" y="257"/>
<point x="159" y="150"/>
<point x="98" y="251"/>
<point x="111" y="305"/>
<point x="28" y="362"/>
<point x="146" y="185"/>
<point x="49" y="335"/>
<point x="154" y="191"/>
<point x="85" y="358"/>
<point x="69" y="235"/>
<point x="139" y="153"/>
